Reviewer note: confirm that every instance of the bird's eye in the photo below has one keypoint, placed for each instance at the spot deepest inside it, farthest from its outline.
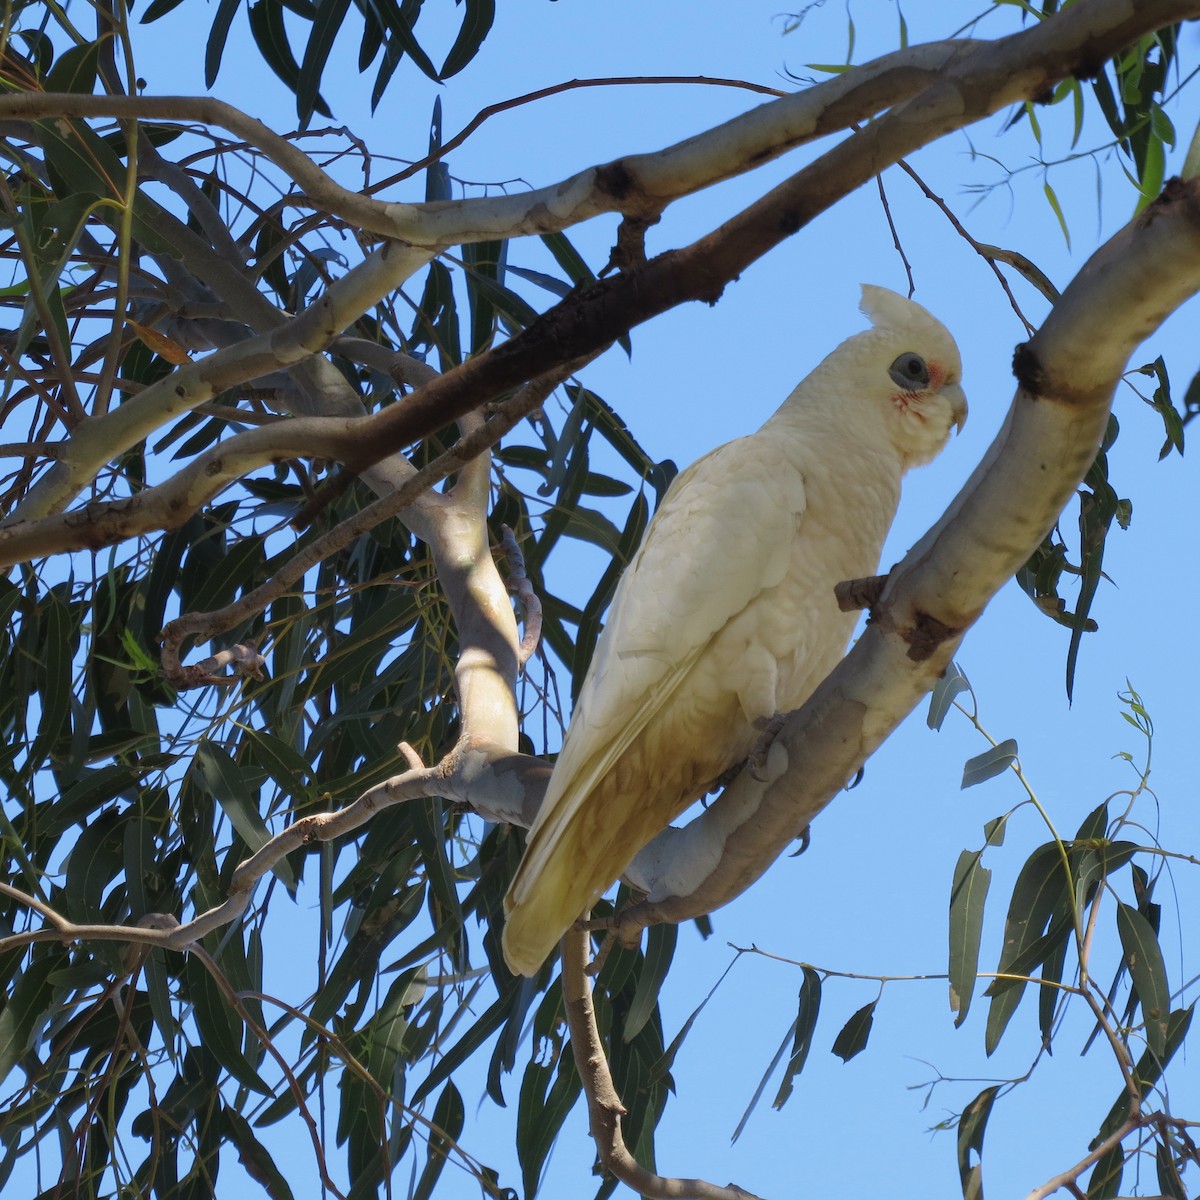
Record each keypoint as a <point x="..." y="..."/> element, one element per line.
<point x="910" y="371"/>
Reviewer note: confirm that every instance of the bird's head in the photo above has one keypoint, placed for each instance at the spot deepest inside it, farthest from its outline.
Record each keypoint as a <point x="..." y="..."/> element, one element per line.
<point x="906" y="369"/>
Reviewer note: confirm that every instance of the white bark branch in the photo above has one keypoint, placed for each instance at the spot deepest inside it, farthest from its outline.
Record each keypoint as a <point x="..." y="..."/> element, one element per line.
<point x="637" y="185"/>
<point x="1067" y="380"/>
<point x="96" y="442"/>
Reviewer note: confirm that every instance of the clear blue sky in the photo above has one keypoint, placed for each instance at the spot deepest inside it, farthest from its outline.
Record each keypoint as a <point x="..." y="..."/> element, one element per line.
<point x="871" y="893"/>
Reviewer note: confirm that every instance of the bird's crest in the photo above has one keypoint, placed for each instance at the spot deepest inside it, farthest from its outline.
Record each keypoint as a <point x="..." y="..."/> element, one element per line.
<point x="889" y="310"/>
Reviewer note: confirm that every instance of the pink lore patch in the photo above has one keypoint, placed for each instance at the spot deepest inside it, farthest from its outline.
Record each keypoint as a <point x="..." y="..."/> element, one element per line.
<point x="909" y="403"/>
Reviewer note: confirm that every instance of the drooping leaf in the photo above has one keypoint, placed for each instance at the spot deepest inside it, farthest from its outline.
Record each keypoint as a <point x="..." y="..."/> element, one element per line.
<point x="1039" y="917"/>
<point x="968" y="894"/>
<point x="449" y="1115"/>
<point x="325" y="27"/>
<point x="25" y="1009"/>
<point x="972" y="1125"/>
<point x="226" y="781"/>
<point x="214" y="51"/>
<point x="220" y="1026"/>
<point x="257" y="1160"/>
<point x="852" y="1039"/>
<point x="477" y="22"/>
<point x="1147" y="1071"/>
<point x="1105" y="1180"/>
<point x="952" y="683"/>
<point x="1144" y="958"/>
<point x="270" y="35"/>
<point x="660" y="949"/>
<point x="990" y="763"/>
<point x="809" y="1006"/>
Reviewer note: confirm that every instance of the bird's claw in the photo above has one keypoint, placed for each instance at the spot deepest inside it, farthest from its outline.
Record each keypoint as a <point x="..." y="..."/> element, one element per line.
<point x="769" y="727"/>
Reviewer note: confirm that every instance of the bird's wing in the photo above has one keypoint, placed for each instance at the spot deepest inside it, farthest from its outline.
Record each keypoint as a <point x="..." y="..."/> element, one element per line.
<point x="720" y="537"/>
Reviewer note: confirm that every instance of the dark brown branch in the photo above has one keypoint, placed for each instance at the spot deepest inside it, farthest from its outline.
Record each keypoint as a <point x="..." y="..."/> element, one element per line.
<point x="988" y="253"/>
<point x="208" y="625"/>
<point x="980" y="82"/>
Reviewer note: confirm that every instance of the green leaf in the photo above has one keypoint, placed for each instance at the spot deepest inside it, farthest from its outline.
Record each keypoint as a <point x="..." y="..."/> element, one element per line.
<point x="255" y="1158"/>
<point x="1147" y="1072"/>
<point x="989" y="764"/>
<point x="968" y="893"/>
<point x="1169" y="1181"/>
<point x="224" y="779"/>
<point x="567" y="257"/>
<point x="286" y="766"/>
<point x="971" y="1126"/>
<point x="215" y="49"/>
<point x="1052" y="198"/>
<point x="1151" y="182"/>
<point x="477" y="21"/>
<point x="24" y="1009"/>
<point x="54" y="677"/>
<point x="220" y="1027"/>
<point x="158" y="8"/>
<point x="776" y="1059"/>
<point x="951" y="684"/>
<point x="852" y="1039"/>
<point x="1144" y="958"/>
<point x="803" y="1027"/>
<point x="449" y="1116"/>
<point x="325" y="28"/>
<point x="1105" y="1180"/>
<point x="76" y="70"/>
<point x="1040" y="899"/>
<point x="660" y="949"/>
<point x="478" y="1033"/>
<point x="270" y="35"/>
<point x="399" y="21"/>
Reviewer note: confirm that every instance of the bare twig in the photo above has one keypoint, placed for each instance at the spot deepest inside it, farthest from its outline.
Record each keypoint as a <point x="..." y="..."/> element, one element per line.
<point x="887" y="212"/>
<point x="990" y="254"/>
<point x="492" y="110"/>
<point x="604" y="1105"/>
<point x="1067" y="1178"/>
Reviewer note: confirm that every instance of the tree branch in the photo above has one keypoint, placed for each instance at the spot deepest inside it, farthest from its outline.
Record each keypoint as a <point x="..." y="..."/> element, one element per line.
<point x="636" y="185"/>
<point x="1048" y="441"/>
<point x="604" y="1104"/>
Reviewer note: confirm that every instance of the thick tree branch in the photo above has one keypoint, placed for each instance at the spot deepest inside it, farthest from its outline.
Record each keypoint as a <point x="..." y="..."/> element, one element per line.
<point x="974" y="81"/>
<point x="1049" y="439"/>
<point x="467" y="449"/>
<point x="97" y="442"/>
<point x="637" y="185"/>
<point x="970" y="87"/>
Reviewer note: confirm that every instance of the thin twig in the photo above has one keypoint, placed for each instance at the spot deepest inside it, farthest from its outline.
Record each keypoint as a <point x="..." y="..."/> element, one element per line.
<point x="604" y="1104"/>
<point x="988" y="253"/>
<point x="887" y="212"/>
<point x="1068" y="1177"/>
<point x="492" y="110"/>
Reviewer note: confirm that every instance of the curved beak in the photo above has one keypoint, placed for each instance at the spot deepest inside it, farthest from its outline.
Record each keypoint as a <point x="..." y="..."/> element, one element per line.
<point x="958" y="405"/>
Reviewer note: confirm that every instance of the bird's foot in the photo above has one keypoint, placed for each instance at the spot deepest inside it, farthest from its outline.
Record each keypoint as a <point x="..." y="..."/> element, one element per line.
<point x="769" y="728"/>
<point x="855" y="594"/>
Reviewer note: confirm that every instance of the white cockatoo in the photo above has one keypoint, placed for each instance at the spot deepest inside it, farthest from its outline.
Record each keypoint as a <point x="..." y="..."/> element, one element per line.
<point x="727" y="614"/>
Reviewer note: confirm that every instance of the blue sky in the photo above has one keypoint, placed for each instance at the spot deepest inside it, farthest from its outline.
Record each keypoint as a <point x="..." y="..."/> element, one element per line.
<point x="871" y="893"/>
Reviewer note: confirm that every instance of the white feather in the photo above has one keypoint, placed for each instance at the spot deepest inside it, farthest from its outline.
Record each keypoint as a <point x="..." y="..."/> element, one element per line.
<point x="727" y="613"/>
